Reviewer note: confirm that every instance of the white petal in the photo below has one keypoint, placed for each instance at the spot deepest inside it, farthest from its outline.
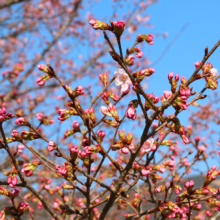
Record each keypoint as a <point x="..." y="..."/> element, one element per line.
<point x="118" y="82"/>
<point x="214" y="72"/>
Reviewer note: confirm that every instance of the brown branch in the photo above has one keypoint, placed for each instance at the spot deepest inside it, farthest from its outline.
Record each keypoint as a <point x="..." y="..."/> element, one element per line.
<point x="23" y="179"/>
<point x="9" y="3"/>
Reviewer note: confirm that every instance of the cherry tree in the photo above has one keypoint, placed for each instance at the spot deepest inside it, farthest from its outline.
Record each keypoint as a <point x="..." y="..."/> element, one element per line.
<point x="81" y="142"/>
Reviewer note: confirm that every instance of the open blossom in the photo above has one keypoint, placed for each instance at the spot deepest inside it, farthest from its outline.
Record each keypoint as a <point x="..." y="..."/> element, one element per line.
<point x="122" y="79"/>
<point x="148" y="145"/>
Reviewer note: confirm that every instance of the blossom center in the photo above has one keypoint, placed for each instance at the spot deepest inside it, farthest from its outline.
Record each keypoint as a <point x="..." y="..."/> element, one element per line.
<point x="123" y="77"/>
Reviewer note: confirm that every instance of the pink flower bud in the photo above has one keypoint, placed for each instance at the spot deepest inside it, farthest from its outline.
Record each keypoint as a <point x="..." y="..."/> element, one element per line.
<point x="145" y="172"/>
<point x="131" y="113"/>
<point x="170" y="75"/>
<point x="177" y="77"/>
<point x="139" y="54"/>
<point x="15" y="192"/>
<point x="85" y="142"/>
<point x="40" y="81"/>
<point x="169" y="163"/>
<point x="12" y="181"/>
<point x="104" y="78"/>
<point x="208" y="213"/>
<point x="202" y="148"/>
<point x="155" y="125"/>
<point x="130" y="60"/>
<point x="118" y="27"/>
<point x="197" y="138"/>
<point x="20" y="121"/>
<point x="197" y="63"/>
<point x="3" y="111"/>
<point x="183" y="79"/>
<point x="79" y="90"/>
<point x="149" y="39"/>
<point x="47" y="187"/>
<point x="189" y="127"/>
<point x="167" y="94"/>
<point x="214" y="167"/>
<point x="105" y="111"/>
<point x="119" y="24"/>
<point x="189" y="184"/>
<point x="20" y="148"/>
<point x="14" y="133"/>
<point x="101" y="133"/>
<point x="185" y="139"/>
<point x="75" y="125"/>
<point x="124" y="150"/>
<point x="99" y="25"/>
<point x="137" y="195"/>
<point x="56" y="205"/>
<point x="51" y="146"/>
<point x="61" y="170"/>
<point x="43" y="68"/>
<point x="39" y="116"/>
<point x="160" y="188"/>
<point x="73" y="149"/>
